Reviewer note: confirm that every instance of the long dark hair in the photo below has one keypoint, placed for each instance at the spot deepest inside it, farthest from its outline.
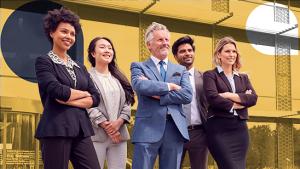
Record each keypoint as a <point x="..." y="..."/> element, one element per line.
<point x="114" y="69"/>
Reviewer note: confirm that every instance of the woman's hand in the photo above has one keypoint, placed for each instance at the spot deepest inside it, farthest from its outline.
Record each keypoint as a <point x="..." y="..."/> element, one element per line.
<point x="112" y="129"/>
<point x="238" y="106"/>
<point x="248" y="91"/>
<point x="225" y="95"/>
<point x="116" y="137"/>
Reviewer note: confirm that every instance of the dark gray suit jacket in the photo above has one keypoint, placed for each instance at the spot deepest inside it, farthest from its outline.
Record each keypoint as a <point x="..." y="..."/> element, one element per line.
<point x="200" y="97"/>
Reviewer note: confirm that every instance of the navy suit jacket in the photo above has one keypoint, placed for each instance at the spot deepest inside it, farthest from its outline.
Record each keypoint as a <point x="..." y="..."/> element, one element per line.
<point x="215" y="83"/>
<point x="150" y="118"/>
<point x="54" y="82"/>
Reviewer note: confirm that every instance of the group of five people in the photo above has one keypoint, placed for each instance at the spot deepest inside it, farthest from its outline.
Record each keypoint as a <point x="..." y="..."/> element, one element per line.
<point x="179" y="108"/>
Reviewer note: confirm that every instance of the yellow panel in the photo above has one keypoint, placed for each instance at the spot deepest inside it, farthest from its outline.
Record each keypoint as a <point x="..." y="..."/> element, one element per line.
<point x="265" y="104"/>
<point x="296" y="104"/>
<point x="128" y="5"/>
<point x="260" y="68"/>
<point x="295" y="69"/>
<point x="124" y="38"/>
<point x="10" y="84"/>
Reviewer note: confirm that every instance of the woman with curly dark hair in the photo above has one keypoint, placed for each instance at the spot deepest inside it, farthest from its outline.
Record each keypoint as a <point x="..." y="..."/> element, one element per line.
<point x="113" y="111"/>
<point x="66" y="90"/>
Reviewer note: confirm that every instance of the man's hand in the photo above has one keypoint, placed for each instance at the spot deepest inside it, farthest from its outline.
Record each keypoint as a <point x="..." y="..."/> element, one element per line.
<point x="174" y="86"/>
<point x="143" y="78"/>
<point x="156" y="97"/>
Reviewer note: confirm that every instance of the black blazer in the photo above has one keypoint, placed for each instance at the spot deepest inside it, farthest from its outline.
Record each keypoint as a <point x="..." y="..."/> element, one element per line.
<point x="54" y="82"/>
<point x="215" y="83"/>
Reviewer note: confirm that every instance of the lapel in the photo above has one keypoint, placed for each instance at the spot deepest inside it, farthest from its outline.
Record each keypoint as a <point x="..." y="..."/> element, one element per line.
<point x="66" y="73"/>
<point x="200" y="95"/>
<point x="170" y="69"/>
<point x="198" y="84"/>
<point x="238" y="83"/>
<point x="151" y="65"/>
<point x="224" y="78"/>
<point x="99" y="87"/>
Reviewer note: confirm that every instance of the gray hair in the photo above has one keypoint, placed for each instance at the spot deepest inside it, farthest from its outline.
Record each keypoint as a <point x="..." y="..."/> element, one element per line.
<point x="154" y="27"/>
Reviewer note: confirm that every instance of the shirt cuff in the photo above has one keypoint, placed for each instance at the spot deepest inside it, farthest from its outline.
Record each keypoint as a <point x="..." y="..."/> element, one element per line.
<point x="231" y="110"/>
<point x="168" y="87"/>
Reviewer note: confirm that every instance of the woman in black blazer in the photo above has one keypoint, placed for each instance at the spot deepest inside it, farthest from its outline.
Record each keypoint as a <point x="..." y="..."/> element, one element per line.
<point x="66" y="90"/>
<point x="229" y="94"/>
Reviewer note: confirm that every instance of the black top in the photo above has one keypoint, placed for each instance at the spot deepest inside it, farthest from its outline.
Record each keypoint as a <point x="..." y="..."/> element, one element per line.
<point x="54" y="82"/>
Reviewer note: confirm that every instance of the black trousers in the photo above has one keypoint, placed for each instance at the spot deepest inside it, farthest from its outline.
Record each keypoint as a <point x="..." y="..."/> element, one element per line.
<point x="57" y="151"/>
<point x="197" y="149"/>
<point x="228" y="141"/>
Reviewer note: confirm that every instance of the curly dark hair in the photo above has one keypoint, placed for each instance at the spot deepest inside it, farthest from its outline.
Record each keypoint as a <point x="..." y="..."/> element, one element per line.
<point x="56" y="16"/>
<point x="114" y="69"/>
<point x="183" y="40"/>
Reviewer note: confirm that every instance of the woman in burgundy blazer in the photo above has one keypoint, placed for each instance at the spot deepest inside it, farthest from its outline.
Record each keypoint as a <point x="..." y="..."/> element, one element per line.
<point x="229" y="94"/>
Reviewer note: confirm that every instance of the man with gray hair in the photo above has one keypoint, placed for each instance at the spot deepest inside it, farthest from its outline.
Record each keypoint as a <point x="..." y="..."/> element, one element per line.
<point x="162" y="87"/>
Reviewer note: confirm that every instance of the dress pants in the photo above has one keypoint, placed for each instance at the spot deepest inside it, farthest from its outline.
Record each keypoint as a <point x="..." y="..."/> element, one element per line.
<point x="114" y="154"/>
<point x="168" y="148"/>
<point x="228" y="141"/>
<point x="57" y="151"/>
<point x="197" y="149"/>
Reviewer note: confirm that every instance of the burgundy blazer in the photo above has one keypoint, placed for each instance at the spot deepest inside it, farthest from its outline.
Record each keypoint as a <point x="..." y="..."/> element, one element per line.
<point x="215" y="83"/>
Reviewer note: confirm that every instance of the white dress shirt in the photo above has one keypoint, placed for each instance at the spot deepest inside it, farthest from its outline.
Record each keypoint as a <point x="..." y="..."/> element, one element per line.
<point x="156" y="62"/>
<point x="195" y="115"/>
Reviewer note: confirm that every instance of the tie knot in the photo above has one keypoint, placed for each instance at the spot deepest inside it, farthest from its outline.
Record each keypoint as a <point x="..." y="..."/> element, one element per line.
<point x="162" y="63"/>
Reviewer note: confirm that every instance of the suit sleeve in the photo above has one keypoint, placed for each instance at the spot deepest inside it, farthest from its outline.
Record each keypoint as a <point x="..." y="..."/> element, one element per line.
<point x="47" y="80"/>
<point x="146" y="87"/>
<point x="248" y="100"/>
<point x="125" y="113"/>
<point x="212" y="93"/>
<point x="96" y="116"/>
<point x="182" y="96"/>
<point x="91" y="88"/>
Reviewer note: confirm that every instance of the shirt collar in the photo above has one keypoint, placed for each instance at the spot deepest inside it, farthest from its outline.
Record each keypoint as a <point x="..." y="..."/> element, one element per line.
<point x="192" y="71"/>
<point x="156" y="61"/>
<point x="56" y="59"/>
<point x="220" y="69"/>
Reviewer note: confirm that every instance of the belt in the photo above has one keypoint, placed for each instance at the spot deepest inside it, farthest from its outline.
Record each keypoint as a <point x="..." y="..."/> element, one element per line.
<point x="194" y="127"/>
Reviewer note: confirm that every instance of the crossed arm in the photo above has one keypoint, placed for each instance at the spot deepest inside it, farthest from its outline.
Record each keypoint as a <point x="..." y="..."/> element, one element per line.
<point x="46" y="76"/>
<point x="227" y="100"/>
<point x="167" y="93"/>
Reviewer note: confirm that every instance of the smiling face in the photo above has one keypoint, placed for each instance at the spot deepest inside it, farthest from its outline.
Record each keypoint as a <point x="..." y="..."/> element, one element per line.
<point x="63" y="37"/>
<point x="103" y="52"/>
<point x="159" y="45"/>
<point x="228" y="55"/>
<point x="185" y="55"/>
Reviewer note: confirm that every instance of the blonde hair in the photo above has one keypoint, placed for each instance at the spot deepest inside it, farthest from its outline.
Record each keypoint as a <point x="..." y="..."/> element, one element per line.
<point x="219" y="47"/>
<point x="154" y="27"/>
